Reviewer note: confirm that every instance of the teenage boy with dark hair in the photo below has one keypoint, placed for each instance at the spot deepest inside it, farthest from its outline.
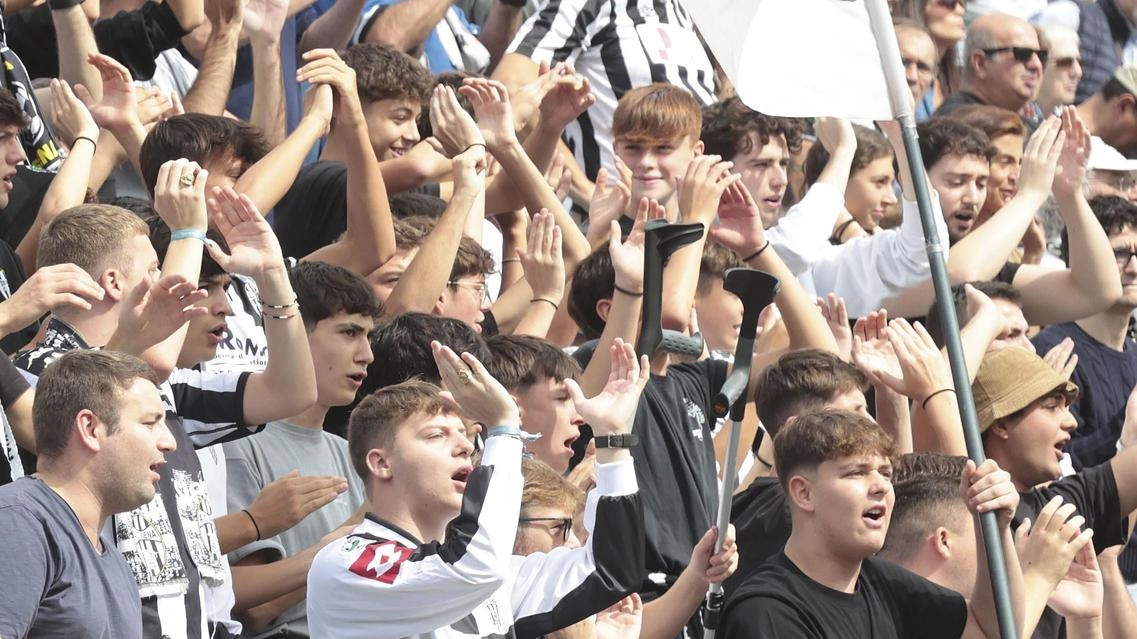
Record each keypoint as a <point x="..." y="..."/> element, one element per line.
<point x="391" y="88"/>
<point x="836" y="470"/>
<point x="536" y="374"/>
<point x="1007" y="298"/>
<point x="434" y="554"/>
<point x="1107" y="355"/>
<point x="339" y="310"/>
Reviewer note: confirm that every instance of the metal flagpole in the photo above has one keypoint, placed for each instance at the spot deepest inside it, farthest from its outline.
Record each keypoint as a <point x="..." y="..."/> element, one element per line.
<point x="900" y="97"/>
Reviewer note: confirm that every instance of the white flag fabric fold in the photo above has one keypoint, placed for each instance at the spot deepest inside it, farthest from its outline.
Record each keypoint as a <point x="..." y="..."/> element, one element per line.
<point x="801" y="58"/>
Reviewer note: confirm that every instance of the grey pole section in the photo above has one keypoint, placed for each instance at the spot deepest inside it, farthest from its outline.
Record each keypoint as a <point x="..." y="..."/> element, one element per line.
<point x="900" y="97"/>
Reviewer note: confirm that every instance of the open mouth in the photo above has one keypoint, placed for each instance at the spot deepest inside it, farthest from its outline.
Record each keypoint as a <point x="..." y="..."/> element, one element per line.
<point x="157" y="470"/>
<point x="874" y="516"/>
<point x="459" y="478"/>
<point x="217" y="333"/>
<point x="357" y="378"/>
<point x="1060" y="449"/>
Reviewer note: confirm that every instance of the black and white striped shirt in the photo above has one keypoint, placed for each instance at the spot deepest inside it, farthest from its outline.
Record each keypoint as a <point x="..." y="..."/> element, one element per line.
<point x="618" y="45"/>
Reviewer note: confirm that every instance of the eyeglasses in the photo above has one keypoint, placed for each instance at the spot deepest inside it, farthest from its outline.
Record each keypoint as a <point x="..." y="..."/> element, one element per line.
<point x="1021" y="54"/>
<point x="1123" y="255"/>
<point x="923" y="68"/>
<point x="1066" y="63"/>
<point x="563" y="523"/>
<point x="479" y="288"/>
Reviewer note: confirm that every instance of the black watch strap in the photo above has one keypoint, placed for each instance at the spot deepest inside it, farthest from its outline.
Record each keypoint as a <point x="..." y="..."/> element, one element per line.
<point x="624" y="440"/>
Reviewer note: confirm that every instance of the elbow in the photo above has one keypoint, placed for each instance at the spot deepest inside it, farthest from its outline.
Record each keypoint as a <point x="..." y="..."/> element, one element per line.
<point x="676" y="318"/>
<point x="382" y="32"/>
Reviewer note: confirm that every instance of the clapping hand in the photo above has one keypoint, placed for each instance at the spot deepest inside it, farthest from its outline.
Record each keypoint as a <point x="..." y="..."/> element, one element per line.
<point x="614" y="409"/>
<point x="479" y="396"/>
<point x="253" y="247"/>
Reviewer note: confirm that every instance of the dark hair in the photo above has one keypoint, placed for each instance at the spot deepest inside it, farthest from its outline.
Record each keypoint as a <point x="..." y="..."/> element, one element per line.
<point x="160" y="240"/>
<point x="402" y="348"/>
<point x="323" y="290"/>
<point x="803" y="381"/>
<point x="913" y="466"/>
<point x="820" y="436"/>
<point x="1114" y="88"/>
<point x="11" y="113"/>
<point x="1115" y="215"/>
<point x="996" y="290"/>
<point x="519" y="361"/>
<point x="407" y="204"/>
<point x="200" y="138"/>
<point x="871" y="146"/>
<point x="593" y="280"/>
<point x="454" y="80"/>
<point x="943" y="135"/>
<point x="924" y="502"/>
<point x="136" y="205"/>
<point x="373" y="422"/>
<point x="383" y="72"/>
<point x="82" y="379"/>
<point x="727" y="126"/>
<point x="992" y="120"/>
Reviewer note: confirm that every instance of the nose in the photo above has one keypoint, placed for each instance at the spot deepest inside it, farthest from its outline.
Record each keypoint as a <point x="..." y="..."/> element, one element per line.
<point x="1068" y="421"/>
<point x="410" y="131"/>
<point x="911" y="74"/>
<point x="889" y="196"/>
<point x="15" y="153"/>
<point x="166" y="441"/>
<point x="465" y="446"/>
<point x="221" y="304"/>
<point x="365" y="355"/>
<point x="780" y="177"/>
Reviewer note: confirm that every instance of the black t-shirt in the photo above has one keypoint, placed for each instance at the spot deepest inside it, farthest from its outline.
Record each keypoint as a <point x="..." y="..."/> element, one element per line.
<point x="313" y="213"/>
<point x="781" y="601"/>
<point x="11" y="278"/>
<point x="762" y="523"/>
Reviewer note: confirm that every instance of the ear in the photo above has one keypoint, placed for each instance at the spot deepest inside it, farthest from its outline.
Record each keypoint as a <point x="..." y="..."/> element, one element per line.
<point x="801" y="493"/>
<point x="603" y="307"/>
<point x="377" y="463"/>
<point x="1000" y="430"/>
<point x="112" y="282"/>
<point x="942" y="542"/>
<point x="699" y="147"/>
<point x="978" y="62"/>
<point x="90" y="430"/>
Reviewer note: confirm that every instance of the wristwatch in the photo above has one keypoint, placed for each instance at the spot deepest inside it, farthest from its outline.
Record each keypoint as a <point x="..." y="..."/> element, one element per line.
<point x="624" y="440"/>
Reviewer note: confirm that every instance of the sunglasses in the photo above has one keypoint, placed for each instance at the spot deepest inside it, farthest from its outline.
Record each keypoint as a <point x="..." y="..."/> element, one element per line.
<point x="950" y="5"/>
<point x="1021" y="54"/>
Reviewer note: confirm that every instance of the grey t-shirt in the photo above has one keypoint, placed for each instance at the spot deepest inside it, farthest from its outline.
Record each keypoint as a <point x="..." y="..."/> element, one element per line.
<point x="56" y="584"/>
<point x="254" y="462"/>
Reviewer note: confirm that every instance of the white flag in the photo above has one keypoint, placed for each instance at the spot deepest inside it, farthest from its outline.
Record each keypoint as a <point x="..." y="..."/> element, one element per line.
<point x="802" y="58"/>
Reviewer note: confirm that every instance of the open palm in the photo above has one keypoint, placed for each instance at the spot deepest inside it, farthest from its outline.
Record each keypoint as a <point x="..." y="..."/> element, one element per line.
<point x="253" y="247"/>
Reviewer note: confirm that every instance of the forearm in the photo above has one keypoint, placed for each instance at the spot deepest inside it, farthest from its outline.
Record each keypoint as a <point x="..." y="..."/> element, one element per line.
<point x="370" y="235"/>
<point x="267" y="112"/>
<point x="680" y="279"/>
<point x="623" y="322"/>
<point x="256" y="585"/>
<point x="210" y="90"/>
<point x="259" y="617"/>
<point x="68" y="189"/>
<point x="190" y="13"/>
<point x="667" y="616"/>
<point x="401" y="174"/>
<point x="539" y="147"/>
<point x="130" y="139"/>
<point x="333" y="29"/>
<point x="1091" y="257"/>
<point x="76" y="41"/>
<point x="405" y="25"/>
<point x="234" y="531"/>
<point x="288" y="384"/>
<point x="108" y="157"/>
<point x="500" y="26"/>
<point x="805" y="325"/>
<point x="421" y="284"/>
<point x="936" y="425"/>
<point x="536" y="194"/>
<point x="893" y="415"/>
<point x="983" y="251"/>
<point x="270" y="178"/>
<point x="837" y="169"/>
<point x="982" y="602"/>
<point x="1119" y="614"/>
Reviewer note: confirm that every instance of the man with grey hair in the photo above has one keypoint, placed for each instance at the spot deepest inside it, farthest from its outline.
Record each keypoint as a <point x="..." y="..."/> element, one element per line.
<point x="1003" y="67"/>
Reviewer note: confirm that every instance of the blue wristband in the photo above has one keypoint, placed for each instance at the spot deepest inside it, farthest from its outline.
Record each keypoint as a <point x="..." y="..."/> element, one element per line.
<point x="511" y="431"/>
<point x="187" y="234"/>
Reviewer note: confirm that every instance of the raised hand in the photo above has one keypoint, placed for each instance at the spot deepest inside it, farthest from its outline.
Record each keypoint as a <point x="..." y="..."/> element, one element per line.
<point x="151" y="313"/>
<point x="543" y="260"/>
<point x="320" y="104"/>
<point x="1081" y="593"/>
<point x="923" y="370"/>
<point x="527" y="98"/>
<point x="453" y="128"/>
<point x="469" y="170"/>
<point x="614" y="409"/>
<point x="558" y="178"/>
<point x="989" y="488"/>
<point x="628" y="255"/>
<point x="50" y="287"/>
<point x="621" y="620"/>
<point x="480" y="397"/>
<point x="118" y="109"/>
<point x="569" y="97"/>
<point x="253" y="247"/>
<point x="739" y="225"/>
<point x="1047" y="549"/>
<point x="837" y="317"/>
<point x="872" y="352"/>
<point x="834" y="133"/>
<point x="1040" y="158"/>
<point x="701" y="189"/>
<point x="154" y="105"/>
<point x="287" y="501"/>
<point x="264" y="20"/>
<point x="610" y="200"/>
<point x="324" y="66"/>
<point x="715" y="568"/>
<point x="492" y="111"/>
<point x="179" y="195"/>
<point x="1062" y="358"/>
<point x="69" y="116"/>
<point x="1075" y="156"/>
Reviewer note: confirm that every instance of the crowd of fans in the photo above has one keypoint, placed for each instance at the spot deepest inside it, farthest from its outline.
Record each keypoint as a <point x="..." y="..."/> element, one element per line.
<point x="319" y="321"/>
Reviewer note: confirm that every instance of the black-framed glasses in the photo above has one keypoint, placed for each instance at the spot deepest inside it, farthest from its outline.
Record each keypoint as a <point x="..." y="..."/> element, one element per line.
<point x="1021" y="54"/>
<point x="1123" y="255"/>
<point x="563" y="523"/>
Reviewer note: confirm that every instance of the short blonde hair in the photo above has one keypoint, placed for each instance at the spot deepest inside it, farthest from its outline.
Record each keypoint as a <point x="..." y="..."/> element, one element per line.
<point x="91" y="236"/>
